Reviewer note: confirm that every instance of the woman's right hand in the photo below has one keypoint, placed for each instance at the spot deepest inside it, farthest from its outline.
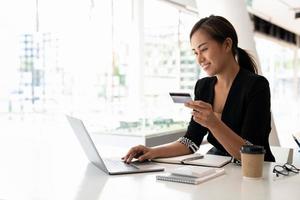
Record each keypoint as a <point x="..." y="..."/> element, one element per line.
<point x="140" y="152"/>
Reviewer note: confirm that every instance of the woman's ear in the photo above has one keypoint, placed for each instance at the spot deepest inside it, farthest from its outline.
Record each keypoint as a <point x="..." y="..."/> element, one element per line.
<point x="227" y="44"/>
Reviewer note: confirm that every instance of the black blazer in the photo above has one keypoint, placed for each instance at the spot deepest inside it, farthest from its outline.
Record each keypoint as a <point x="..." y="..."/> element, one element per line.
<point x="246" y="111"/>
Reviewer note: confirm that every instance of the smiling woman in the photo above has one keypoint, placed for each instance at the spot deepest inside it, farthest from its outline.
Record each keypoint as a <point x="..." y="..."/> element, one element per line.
<point x="215" y="31"/>
<point x="233" y="89"/>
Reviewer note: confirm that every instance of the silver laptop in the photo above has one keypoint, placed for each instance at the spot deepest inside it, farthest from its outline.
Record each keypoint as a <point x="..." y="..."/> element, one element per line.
<point x="110" y="166"/>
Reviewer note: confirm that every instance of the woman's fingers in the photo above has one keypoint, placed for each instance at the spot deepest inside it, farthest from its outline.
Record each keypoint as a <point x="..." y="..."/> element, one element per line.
<point x="205" y="117"/>
<point x="197" y="105"/>
<point x="199" y="115"/>
<point x="130" y="153"/>
<point x="192" y="106"/>
<point x="134" y="152"/>
<point x="203" y="104"/>
<point x="130" y="157"/>
<point x="145" y="156"/>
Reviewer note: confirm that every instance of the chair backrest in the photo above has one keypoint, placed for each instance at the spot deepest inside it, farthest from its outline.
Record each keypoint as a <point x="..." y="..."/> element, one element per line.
<point x="283" y="155"/>
<point x="273" y="138"/>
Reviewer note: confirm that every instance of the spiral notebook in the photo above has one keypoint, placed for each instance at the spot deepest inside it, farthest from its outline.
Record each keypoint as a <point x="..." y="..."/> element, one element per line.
<point x="191" y="174"/>
<point x="206" y="160"/>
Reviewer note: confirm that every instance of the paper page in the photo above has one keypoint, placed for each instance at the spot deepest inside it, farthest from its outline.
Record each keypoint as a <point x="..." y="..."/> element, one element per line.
<point x="178" y="159"/>
<point x="189" y="179"/>
<point x="211" y="161"/>
<point x="218" y="172"/>
<point x="193" y="171"/>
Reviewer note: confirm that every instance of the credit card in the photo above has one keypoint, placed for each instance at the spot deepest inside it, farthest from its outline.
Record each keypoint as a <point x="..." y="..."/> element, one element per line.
<point x="180" y="97"/>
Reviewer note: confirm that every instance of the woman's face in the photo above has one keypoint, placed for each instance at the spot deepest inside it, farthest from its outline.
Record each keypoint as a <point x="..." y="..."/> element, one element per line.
<point x="210" y="54"/>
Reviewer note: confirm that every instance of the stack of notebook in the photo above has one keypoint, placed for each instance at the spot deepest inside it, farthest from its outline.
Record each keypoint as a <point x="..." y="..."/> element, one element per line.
<point x="191" y="174"/>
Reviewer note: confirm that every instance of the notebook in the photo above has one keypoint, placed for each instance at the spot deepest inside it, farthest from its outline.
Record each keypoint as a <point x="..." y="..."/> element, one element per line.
<point x="191" y="174"/>
<point x="207" y="160"/>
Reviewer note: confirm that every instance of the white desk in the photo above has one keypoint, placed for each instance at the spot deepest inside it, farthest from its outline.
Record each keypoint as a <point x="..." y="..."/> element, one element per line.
<point x="52" y="166"/>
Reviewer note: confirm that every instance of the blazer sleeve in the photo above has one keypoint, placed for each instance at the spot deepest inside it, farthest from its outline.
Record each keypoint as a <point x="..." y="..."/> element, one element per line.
<point x="195" y="132"/>
<point x="256" y="125"/>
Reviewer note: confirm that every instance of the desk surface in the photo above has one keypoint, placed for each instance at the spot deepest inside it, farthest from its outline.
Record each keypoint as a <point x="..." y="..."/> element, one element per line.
<point x="51" y="165"/>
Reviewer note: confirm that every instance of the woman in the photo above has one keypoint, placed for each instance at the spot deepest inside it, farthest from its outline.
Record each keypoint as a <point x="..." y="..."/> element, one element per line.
<point x="232" y="105"/>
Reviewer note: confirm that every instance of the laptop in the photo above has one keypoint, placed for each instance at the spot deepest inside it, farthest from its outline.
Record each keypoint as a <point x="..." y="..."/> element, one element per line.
<point x="109" y="166"/>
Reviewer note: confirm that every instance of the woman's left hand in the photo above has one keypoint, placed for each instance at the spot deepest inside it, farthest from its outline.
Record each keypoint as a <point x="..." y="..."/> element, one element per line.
<point x="202" y="113"/>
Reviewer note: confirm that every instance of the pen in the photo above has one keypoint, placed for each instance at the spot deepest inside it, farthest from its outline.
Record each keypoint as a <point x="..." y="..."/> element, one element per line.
<point x="298" y="143"/>
<point x="193" y="158"/>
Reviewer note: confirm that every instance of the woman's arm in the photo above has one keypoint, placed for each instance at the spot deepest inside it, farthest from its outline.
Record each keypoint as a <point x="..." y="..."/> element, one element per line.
<point x="187" y="144"/>
<point x="172" y="149"/>
<point x="142" y="152"/>
<point x="228" y="138"/>
<point x="204" y="115"/>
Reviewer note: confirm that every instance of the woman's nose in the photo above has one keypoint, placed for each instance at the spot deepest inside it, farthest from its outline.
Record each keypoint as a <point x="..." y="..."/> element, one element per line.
<point x="200" y="58"/>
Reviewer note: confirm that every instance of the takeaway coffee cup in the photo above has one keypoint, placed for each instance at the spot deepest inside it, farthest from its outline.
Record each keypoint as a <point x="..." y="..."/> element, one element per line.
<point x="252" y="157"/>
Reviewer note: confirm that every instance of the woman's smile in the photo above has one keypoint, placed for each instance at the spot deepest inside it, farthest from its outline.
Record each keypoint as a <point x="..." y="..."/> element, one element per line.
<point x="205" y="66"/>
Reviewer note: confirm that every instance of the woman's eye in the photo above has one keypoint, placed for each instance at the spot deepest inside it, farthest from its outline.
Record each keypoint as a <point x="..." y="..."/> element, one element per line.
<point x="195" y="53"/>
<point x="204" y="49"/>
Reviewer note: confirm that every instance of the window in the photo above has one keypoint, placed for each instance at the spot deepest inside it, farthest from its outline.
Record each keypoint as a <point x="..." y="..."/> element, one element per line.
<point x="111" y="63"/>
<point x="280" y="65"/>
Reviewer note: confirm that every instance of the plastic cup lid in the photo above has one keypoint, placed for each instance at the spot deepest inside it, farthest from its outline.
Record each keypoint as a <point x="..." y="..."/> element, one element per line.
<point x="253" y="149"/>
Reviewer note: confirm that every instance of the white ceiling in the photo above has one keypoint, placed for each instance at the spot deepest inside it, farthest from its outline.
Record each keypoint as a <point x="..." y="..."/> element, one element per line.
<point x="295" y="4"/>
<point x="279" y="12"/>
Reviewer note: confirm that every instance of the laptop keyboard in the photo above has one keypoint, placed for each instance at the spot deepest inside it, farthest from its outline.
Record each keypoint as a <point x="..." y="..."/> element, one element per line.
<point x="116" y="164"/>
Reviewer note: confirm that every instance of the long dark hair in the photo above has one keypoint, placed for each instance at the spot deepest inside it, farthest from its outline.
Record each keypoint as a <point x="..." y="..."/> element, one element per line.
<point x="219" y="29"/>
